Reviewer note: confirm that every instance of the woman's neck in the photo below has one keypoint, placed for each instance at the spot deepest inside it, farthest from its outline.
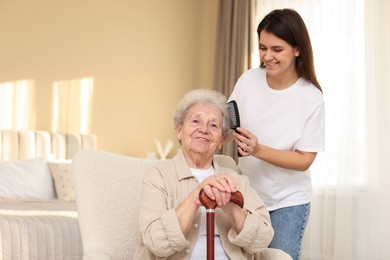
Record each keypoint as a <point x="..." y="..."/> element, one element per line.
<point x="280" y="83"/>
<point x="198" y="161"/>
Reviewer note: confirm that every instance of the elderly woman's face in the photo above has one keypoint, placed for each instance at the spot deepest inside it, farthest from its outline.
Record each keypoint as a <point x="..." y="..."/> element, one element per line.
<point x="201" y="131"/>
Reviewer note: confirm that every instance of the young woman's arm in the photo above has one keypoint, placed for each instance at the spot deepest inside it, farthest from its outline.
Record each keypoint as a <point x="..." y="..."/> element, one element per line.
<point x="294" y="160"/>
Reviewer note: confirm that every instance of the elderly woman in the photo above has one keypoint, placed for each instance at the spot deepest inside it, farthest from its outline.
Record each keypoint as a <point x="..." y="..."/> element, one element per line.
<point x="172" y="222"/>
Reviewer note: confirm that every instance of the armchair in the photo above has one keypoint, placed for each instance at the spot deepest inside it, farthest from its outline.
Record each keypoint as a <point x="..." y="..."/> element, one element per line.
<point x="107" y="194"/>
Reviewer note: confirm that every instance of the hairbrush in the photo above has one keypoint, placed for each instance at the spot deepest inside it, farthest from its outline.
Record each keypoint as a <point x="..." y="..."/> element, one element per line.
<point x="234" y="116"/>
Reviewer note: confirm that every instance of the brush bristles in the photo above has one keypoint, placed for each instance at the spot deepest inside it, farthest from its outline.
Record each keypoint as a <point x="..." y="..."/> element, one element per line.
<point x="233" y="114"/>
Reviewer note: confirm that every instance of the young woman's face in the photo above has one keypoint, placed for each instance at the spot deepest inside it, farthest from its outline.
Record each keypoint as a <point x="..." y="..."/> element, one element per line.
<point x="201" y="131"/>
<point x="277" y="55"/>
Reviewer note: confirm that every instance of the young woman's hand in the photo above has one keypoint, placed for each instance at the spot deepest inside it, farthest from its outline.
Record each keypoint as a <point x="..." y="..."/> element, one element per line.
<point x="247" y="142"/>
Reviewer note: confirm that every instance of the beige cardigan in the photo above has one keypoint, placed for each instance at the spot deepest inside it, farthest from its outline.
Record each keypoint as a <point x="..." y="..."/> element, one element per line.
<point x="165" y="186"/>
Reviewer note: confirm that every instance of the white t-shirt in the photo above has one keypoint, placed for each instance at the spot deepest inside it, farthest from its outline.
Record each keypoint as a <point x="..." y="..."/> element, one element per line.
<point x="200" y="248"/>
<point x="289" y="119"/>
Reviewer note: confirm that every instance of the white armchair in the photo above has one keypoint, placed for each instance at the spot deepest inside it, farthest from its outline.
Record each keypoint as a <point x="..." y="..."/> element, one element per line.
<point x="107" y="194"/>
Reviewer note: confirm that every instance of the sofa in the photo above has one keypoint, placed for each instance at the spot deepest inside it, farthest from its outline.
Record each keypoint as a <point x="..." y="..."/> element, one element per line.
<point x="107" y="194"/>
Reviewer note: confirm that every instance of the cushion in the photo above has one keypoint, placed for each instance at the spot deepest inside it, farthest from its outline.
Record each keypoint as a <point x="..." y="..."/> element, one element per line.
<point x="63" y="180"/>
<point x="26" y="179"/>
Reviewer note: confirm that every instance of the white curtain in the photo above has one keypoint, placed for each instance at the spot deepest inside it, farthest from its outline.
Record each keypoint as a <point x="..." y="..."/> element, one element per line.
<point x="351" y="179"/>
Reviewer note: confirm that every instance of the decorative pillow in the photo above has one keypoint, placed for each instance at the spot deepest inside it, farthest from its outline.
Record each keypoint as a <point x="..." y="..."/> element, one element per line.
<point x="26" y="180"/>
<point x="63" y="180"/>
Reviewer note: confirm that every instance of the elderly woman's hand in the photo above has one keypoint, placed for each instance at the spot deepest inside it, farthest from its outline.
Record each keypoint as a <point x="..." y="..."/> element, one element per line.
<point x="218" y="188"/>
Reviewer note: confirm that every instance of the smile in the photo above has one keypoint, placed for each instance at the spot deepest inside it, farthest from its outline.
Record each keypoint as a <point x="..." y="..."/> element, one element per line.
<point x="271" y="63"/>
<point x="202" y="139"/>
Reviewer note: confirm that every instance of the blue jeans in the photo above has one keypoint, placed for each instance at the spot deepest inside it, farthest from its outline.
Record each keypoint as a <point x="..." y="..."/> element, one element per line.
<point x="289" y="225"/>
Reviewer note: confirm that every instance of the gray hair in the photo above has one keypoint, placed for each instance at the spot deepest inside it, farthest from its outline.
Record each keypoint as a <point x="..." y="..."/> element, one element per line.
<point x="205" y="96"/>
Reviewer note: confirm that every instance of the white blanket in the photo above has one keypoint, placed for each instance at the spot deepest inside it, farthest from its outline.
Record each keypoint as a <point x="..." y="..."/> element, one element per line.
<point x="39" y="230"/>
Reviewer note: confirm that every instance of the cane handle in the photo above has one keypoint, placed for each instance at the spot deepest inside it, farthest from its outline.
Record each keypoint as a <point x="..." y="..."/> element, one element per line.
<point x="236" y="197"/>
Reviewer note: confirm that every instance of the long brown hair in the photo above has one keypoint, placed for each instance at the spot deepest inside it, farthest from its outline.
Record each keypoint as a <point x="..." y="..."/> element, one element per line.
<point x="289" y="26"/>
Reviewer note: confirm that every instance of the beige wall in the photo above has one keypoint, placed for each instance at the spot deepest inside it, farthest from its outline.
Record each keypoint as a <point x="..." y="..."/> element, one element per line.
<point x="143" y="55"/>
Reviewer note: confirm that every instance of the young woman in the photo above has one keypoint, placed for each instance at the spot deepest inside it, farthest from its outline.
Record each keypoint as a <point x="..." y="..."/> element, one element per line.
<point x="282" y="125"/>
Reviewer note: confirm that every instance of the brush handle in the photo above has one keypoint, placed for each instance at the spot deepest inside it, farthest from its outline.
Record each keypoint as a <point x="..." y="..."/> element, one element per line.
<point x="238" y="152"/>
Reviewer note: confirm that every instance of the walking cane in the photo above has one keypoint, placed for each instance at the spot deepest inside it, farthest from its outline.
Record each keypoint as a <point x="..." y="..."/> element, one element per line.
<point x="210" y="206"/>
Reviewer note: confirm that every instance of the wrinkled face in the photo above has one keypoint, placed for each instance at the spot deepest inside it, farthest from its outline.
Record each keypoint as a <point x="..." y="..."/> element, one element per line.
<point x="201" y="131"/>
<point x="277" y="55"/>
